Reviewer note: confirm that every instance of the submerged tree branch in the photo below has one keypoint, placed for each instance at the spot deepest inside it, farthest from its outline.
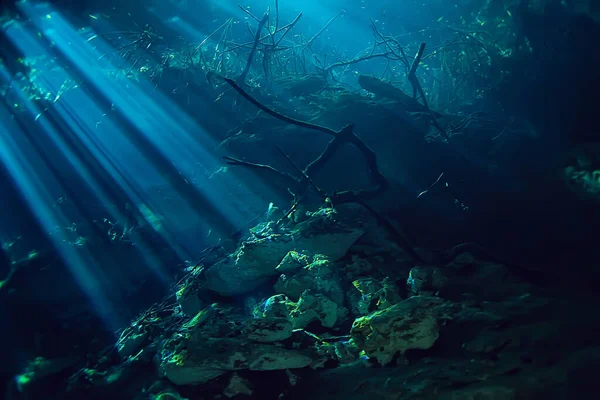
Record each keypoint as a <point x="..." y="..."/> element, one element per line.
<point x="261" y="24"/>
<point x="274" y="113"/>
<point x="316" y="36"/>
<point x="345" y="135"/>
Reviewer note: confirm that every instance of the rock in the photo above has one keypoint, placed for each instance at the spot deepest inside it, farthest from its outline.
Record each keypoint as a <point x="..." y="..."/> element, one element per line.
<point x="29" y="383"/>
<point x="257" y="259"/>
<point x="269" y="358"/>
<point x="368" y="294"/>
<point x="168" y="396"/>
<point x="345" y="352"/>
<point x="237" y="386"/>
<point x="221" y="340"/>
<point x="483" y="280"/>
<point x="179" y="372"/>
<point x="131" y="342"/>
<point x="277" y="306"/>
<point x="358" y="267"/>
<point x="317" y="307"/>
<point x="188" y="294"/>
<point x="425" y="280"/>
<point x="483" y="392"/>
<point x="190" y="304"/>
<point x="411" y="324"/>
<point x="274" y="213"/>
<point x="191" y="366"/>
<point x="269" y="330"/>
<point x="292" y="261"/>
<point x="320" y="276"/>
<point x="311" y="307"/>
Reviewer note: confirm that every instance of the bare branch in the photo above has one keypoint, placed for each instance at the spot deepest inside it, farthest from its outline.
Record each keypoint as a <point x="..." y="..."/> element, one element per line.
<point x="261" y="24"/>
<point x="316" y="36"/>
<point x="357" y="60"/>
<point x="248" y="12"/>
<point x="275" y="114"/>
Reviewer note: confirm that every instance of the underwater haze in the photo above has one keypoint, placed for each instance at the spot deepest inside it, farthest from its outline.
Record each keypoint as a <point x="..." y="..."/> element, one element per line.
<point x="286" y="200"/>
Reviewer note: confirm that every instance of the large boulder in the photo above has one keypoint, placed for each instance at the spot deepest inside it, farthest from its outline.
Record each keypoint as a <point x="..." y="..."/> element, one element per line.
<point x="411" y="324"/>
<point x="258" y="258"/>
<point x="220" y="340"/>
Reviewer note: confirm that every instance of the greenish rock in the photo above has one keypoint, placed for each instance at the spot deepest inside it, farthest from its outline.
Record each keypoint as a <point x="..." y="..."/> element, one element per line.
<point x="319" y="276"/>
<point x="221" y="339"/>
<point x="369" y="294"/>
<point x="310" y="307"/>
<point x="257" y="259"/>
<point x="292" y="261"/>
<point x="269" y="330"/>
<point x="317" y="307"/>
<point x="413" y="323"/>
<point x="277" y="306"/>
<point x="191" y="364"/>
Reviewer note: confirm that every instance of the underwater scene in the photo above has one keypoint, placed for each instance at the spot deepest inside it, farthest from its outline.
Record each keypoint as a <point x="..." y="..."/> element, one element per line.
<point x="299" y="199"/>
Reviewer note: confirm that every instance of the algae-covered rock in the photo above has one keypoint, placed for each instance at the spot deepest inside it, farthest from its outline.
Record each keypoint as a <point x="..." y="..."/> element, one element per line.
<point x="319" y="276"/>
<point x="277" y="306"/>
<point x="221" y="339"/>
<point x="310" y="307"/>
<point x="189" y="364"/>
<point x="257" y="259"/>
<point x="317" y="307"/>
<point x="368" y="294"/>
<point x="411" y="324"/>
<point x="292" y="262"/>
<point x="269" y="330"/>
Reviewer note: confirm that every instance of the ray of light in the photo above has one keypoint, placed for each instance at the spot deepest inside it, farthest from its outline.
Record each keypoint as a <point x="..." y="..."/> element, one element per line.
<point x="163" y="126"/>
<point x="119" y="153"/>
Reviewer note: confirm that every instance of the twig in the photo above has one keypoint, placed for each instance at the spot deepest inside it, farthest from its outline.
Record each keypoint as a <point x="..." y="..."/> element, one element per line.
<point x="268" y="168"/>
<point x="276" y="16"/>
<point x="303" y="172"/>
<point x="357" y="60"/>
<point x="417" y="88"/>
<point x="261" y="24"/>
<point x="210" y="36"/>
<point x="402" y="56"/>
<point x="431" y="186"/>
<point x="398" y="235"/>
<point x="316" y="36"/>
<point x="248" y="12"/>
<point x="287" y="28"/>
